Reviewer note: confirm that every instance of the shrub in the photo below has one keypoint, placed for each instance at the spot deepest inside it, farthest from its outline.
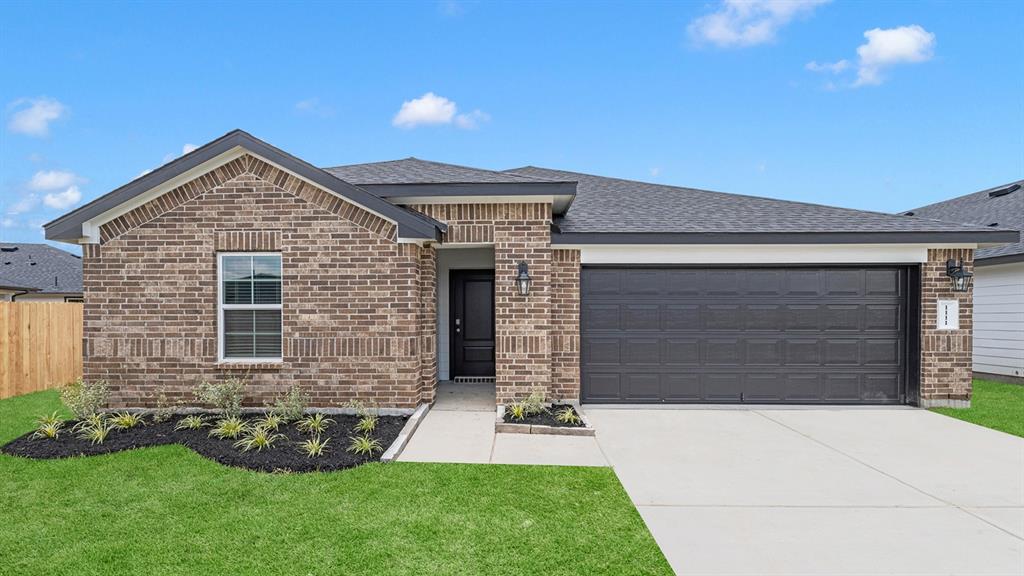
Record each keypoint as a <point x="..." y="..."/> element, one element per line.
<point x="367" y="424"/>
<point x="164" y="407"/>
<point x="226" y="396"/>
<point x="50" y="420"/>
<point x="364" y="445"/>
<point x="85" y="398"/>
<point x="192" y="422"/>
<point x="91" y="421"/>
<point x="516" y="410"/>
<point x="314" y="447"/>
<point x="257" y="439"/>
<point x="362" y="410"/>
<point x="534" y="403"/>
<point x="568" y="415"/>
<point x="231" y="427"/>
<point x="125" y="420"/>
<point x="314" y="423"/>
<point x="47" y="429"/>
<point x="292" y="405"/>
<point x="271" y="421"/>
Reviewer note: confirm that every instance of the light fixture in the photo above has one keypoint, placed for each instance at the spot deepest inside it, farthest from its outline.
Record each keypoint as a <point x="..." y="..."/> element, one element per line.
<point x="960" y="278"/>
<point x="523" y="279"/>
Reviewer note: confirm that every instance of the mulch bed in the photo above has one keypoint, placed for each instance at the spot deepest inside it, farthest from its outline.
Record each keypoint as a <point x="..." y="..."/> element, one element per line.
<point x="283" y="456"/>
<point x="546" y="418"/>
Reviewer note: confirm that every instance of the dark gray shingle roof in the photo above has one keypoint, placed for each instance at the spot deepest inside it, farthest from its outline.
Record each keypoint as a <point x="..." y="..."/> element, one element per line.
<point x="40" y="266"/>
<point x="416" y="171"/>
<point x="1006" y="210"/>
<point x="614" y="205"/>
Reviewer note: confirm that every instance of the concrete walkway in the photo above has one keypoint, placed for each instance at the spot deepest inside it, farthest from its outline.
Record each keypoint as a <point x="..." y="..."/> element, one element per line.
<point x="821" y="491"/>
<point x="460" y="428"/>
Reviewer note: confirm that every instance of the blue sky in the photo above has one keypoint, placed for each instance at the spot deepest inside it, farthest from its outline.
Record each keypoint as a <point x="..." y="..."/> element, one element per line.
<point x="880" y="106"/>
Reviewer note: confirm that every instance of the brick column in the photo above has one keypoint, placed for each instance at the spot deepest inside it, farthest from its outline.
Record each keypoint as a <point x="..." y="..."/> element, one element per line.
<point x="946" y="362"/>
<point x="565" y="325"/>
<point x="428" y="329"/>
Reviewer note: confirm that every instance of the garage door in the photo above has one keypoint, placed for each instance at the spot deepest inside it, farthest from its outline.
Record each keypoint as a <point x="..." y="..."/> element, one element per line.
<point x="756" y="335"/>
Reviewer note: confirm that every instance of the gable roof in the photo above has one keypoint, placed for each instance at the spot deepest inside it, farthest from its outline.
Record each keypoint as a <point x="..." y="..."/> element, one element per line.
<point x="1000" y="208"/>
<point x="416" y="171"/>
<point x="613" y="210"/>
<point x="68" y="227"/>
<point x="40" y="268"/>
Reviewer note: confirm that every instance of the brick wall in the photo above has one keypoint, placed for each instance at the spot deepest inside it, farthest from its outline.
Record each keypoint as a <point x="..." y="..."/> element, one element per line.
<point x="945" y="354"/>
<point x="354" y="314"/>
<point x="565" y="324"/>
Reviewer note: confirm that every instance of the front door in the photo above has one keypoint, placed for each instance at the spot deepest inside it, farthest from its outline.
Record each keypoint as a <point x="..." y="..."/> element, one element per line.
<point x="472" y="323"/>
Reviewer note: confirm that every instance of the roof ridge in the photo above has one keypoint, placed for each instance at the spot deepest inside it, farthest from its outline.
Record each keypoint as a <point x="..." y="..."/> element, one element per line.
<point x="715" y="192"/>
<point x="440" y="164"/>
<point x="984" y="192"/>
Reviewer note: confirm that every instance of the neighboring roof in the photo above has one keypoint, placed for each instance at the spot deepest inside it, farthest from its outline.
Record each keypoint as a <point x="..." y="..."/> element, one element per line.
<point x="410" y="224"/>
<point x="1000" y="207"/>
<point x="40" y="268"/>
<point x="415" y="171"/>
<point x="612" y="210"/>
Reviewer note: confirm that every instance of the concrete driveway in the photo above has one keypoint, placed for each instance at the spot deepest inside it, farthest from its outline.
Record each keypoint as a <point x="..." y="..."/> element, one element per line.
<point x="821" y="491"/>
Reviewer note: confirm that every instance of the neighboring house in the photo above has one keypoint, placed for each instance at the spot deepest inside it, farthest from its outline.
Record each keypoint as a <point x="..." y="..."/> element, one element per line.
<point x="39" y="273"/>
<point x="374" y="281"/>
<point x="998" y="278"/>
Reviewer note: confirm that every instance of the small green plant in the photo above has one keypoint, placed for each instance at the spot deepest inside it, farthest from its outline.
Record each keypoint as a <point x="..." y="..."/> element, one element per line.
<point x="226" y="396"/>
<point x="367" y="424"/>
<point x="314" y="447"/>
<point x="49" y="420"/>
<point x="49" y="430"/>
<point x="125" y="420"/>
<point x="534" y="403"/>
<point x="271" y="421"/>
<point x="314" y="423"/>
<point x="568" y="415"/>
<point x="85" y="398"/>
<point x="362" y="409"/>
<point x="192" y="422"/>
<point x="91" y="421"/>
<point x="364" y="445"/>
<point x="231" y="427"/>
<point x="516" y="410"/>
<point x="258" y="438"/>
<point x="164" y="407"/>
<point x="95" y="433"/>
<point x="292" y="405"/>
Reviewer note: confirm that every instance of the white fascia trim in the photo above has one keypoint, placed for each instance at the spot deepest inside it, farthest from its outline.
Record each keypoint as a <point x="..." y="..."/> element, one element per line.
<point x="405" y="200"/>
<point x="91" y="228"/>
<point x="753" y="254"/>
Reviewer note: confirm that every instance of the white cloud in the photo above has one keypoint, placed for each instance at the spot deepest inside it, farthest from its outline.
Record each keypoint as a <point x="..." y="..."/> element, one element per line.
<point x="65" y="199"/>
<point x="8" y="223"/>
<point x="654" y="172"/>
<point x="52" y="180"/>
<point x="314" y="107"/>
<point x="32" y="116"/>
<point x="425" y="110"/>
<point x="25" y="204"/>
<point x="739" y="23"/>
<point x="188" y="148"/>
<point x="472" y="120"/>
<point x="830" y="67"/>
<point x="891" y="46"/>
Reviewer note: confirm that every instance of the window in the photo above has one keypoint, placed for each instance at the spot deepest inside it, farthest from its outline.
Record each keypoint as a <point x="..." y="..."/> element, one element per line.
<point x="249" y="307"/>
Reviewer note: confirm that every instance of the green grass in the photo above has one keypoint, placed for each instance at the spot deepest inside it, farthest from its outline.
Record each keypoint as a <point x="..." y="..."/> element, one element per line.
<point x="994" y="405"/>
<point x="166" y="510"/>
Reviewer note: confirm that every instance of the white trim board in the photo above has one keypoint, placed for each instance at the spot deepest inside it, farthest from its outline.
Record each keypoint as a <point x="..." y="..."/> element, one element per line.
<point x="757" y="254"/>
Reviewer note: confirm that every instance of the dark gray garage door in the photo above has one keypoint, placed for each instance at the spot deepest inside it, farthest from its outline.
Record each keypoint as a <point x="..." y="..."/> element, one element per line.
<point x="756" y="335"/>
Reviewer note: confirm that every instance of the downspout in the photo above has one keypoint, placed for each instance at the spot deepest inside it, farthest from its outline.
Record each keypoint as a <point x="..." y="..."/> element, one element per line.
<point x="16" y="294"/>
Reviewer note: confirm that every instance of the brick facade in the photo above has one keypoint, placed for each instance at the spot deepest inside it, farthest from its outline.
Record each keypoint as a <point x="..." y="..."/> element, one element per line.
<point x="945" y="354"/>
<point x="565" y="324"/>
<point x="357" y="305"/>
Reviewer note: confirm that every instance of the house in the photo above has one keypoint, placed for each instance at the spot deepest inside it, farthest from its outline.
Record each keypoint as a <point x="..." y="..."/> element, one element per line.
<point x="39" y="273"/>
<point x="375" y="281"/>
<point x="998" y="278"/>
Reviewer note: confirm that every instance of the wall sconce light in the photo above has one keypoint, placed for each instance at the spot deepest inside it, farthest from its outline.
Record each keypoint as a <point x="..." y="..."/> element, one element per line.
<point x="960" y="278"/>
<point x="523" y="280"/>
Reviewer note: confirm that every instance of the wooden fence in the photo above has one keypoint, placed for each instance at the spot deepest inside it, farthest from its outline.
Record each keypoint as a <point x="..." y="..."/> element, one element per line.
<point x="40" y="345"/>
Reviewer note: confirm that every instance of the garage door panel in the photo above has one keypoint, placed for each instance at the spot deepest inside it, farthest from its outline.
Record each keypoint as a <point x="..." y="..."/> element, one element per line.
<point x="807" y="335"/>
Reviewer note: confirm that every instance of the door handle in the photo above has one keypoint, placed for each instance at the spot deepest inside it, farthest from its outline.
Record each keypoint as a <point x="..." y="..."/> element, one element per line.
<point x="458" y="323"/>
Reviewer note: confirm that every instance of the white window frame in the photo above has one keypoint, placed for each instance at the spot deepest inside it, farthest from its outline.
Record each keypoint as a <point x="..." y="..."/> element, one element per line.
<point x="221" y="307"/>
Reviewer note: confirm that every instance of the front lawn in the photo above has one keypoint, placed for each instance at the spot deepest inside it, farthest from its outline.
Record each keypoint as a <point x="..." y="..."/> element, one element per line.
<point x="167" y="510"/>
<point x="994" y="405"/>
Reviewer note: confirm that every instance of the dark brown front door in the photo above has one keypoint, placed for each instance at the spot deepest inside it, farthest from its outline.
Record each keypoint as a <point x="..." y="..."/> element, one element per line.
<point x="472" y="323"/>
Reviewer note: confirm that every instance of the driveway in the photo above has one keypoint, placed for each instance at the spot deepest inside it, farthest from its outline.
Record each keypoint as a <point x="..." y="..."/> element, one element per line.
<point x="821" y="491"/>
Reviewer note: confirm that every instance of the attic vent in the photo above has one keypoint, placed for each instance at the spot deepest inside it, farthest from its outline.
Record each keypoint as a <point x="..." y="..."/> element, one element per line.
<point x="994" y="224"/>
<point x="8" y="248"/>
<point x="908" y="213"/>
<point x="1003" y="191"/>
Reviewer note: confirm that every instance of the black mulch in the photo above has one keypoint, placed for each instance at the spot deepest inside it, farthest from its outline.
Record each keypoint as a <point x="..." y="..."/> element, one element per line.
<point x="284" y="456"/>
<point x="545" y="418"/>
